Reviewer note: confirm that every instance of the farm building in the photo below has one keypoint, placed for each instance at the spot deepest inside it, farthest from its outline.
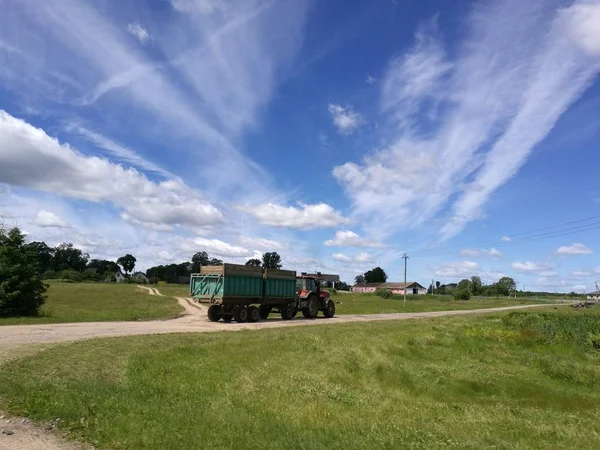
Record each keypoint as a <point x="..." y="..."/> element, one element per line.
<point x="412" y="287"/>
<point x="593" y="295"/>
<point x="140" y="277"/>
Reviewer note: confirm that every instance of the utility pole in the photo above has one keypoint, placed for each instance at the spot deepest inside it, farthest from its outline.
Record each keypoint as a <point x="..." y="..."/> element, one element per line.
<point x="432" y="286"/>
<point x="405" y="257"/>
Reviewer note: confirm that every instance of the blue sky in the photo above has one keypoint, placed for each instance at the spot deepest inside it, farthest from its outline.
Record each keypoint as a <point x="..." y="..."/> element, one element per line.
<point x="340" y="134"/>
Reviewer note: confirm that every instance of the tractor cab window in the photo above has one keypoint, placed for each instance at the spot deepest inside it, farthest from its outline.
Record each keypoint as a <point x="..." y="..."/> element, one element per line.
<point x="311" y="285"/>
<point x="299" y="284"/>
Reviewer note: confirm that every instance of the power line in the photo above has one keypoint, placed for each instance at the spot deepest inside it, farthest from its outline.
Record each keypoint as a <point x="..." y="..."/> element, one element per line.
<point x="527" y="236"/>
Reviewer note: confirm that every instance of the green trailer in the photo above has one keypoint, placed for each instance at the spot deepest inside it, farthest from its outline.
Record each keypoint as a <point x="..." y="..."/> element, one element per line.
<point x="247" y="293"/>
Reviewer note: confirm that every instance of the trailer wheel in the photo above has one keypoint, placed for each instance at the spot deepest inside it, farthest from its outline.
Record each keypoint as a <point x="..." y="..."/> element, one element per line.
<point x="253" y="314"/>
<point x="264" y="311"/>
<point x="240" y="314"/>
<point x="329" y="310"/>
<point x="312" y="309"/>
<point x="288" y="312"/>
<point x="214" y="313"/>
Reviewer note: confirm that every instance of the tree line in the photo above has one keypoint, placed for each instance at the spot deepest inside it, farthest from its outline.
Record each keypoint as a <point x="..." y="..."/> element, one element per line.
<point x="68" y="262"/>
<point x="180" y="273"/>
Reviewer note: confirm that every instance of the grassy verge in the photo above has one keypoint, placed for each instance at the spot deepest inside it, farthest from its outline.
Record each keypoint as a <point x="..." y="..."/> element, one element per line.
<point x="97" y="302"/>
<point x="372" y="304"/>
<point x="174" y="290"/>
<point x="521" y="380"/>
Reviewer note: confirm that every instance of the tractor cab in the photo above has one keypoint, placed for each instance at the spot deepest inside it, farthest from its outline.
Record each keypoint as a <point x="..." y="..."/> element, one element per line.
<point x="306" y="285"/>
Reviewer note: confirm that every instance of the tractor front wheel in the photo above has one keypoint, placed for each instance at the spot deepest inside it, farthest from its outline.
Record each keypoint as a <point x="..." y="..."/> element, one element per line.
<point x="312" y="307"/>
<point x="240" y="314"/>
<point x="214" y="313"/>
<point x="329" y="310"/>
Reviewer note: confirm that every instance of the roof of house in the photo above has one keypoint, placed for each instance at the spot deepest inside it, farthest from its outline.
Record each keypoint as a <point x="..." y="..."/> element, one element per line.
<point x="368" y="285"/>
<point x="594" y="293"/>
<point x="395" y="285"/>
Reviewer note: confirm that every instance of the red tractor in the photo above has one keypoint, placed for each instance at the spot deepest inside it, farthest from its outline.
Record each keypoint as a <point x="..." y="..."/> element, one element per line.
<point x="312" y="299"/>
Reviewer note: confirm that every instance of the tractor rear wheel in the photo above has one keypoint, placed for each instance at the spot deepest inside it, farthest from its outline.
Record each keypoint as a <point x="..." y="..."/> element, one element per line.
<point x="214" y="313"/>
<point x="253" y="314"/>
<point x="312" y="307"/>
<point x="264" y="311"/>
<point x="329" y="310"/>
<point x="288" y="312"/>
<point x="240" y="314"/>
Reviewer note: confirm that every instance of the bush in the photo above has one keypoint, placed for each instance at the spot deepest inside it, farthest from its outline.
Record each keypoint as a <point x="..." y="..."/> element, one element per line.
<point x="462" y="294"/>
<point x="21" y="288"/>
<point x="383" y="293"/>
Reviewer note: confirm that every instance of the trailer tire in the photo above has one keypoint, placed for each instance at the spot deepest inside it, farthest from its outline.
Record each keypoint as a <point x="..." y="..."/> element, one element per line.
<point x="329" y="310"/>
<point x="240" y="314"/>
<point x="288" y="312"/>
<point x="264" y="312"/>
<point x="214" y="313"/>
<point x="312" y="309"/>
<point x="253" y="314"/>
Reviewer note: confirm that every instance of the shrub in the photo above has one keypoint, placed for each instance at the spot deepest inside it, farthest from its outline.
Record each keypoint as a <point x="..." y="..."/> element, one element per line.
<point x="383" y="293"/>
<point x="21" y="288"/>
<point x="462" y="294"/>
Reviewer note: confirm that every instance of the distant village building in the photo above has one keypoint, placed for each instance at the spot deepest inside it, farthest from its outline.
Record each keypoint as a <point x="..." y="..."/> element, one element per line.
<point x="116" y="277"/>
<point x="449" y="287"/>
<point x="412" y="287"/>
<point x="140" y="277"/>
<point x="593" y="295"/>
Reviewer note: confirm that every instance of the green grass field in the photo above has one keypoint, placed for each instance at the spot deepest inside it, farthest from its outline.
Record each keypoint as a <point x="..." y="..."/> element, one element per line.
<point x="519" y="380"/>
<point x="372" y="304"/>
<point x="98" y="302"/>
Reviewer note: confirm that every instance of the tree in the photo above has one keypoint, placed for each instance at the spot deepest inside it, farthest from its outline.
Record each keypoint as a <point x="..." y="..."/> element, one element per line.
<point x="376" y="275"/>
<point x="254" y="262"/>
<point x="103" y="266"/>
<point x="359" y="279"/>
<point x="271" y="260"/>
<point x="127" y="262"/>
<point x="68" y="257"/>
<point x="476" y="285"/>
<point x="199" y="259"/>
<point x="462" y="294"/>
<point x="506" y="285"/>
<point x="464" y="285"/>
<point x="215" y="262"/>
<point x="43" y="255"/>
<point x="21" y="287"/>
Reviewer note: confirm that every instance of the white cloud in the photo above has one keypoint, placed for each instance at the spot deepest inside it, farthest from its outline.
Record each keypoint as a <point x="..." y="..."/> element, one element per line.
<point x="219" y="248"/>
<point x="345" y="118"/>
<point x="198" y="6"/>
<point x="47" y="219"/>
<point x="350" y="239"/>
<point x="263" y="244"/>
<point x="574" y="249"/>
<point x="30" y="158"/>
<point x="371" y="80"/>
<point x="341" y="257"/>
<point x="581" y="273"/>
<point x="597" y="271"/>
<point x="528" y="266"/>
<point x="138" y="31"/>
<point x="303" y="217"/>
<point x="477" y="252"/>
<point x="166" y="256"/>
<point x="359" y="258"/>
<point x="120" y="152"/>
<point x="487" y="108"/>
<point x="505" y="239"/>
<point x="363" y="258"/>
<point x="463" y="269"/>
